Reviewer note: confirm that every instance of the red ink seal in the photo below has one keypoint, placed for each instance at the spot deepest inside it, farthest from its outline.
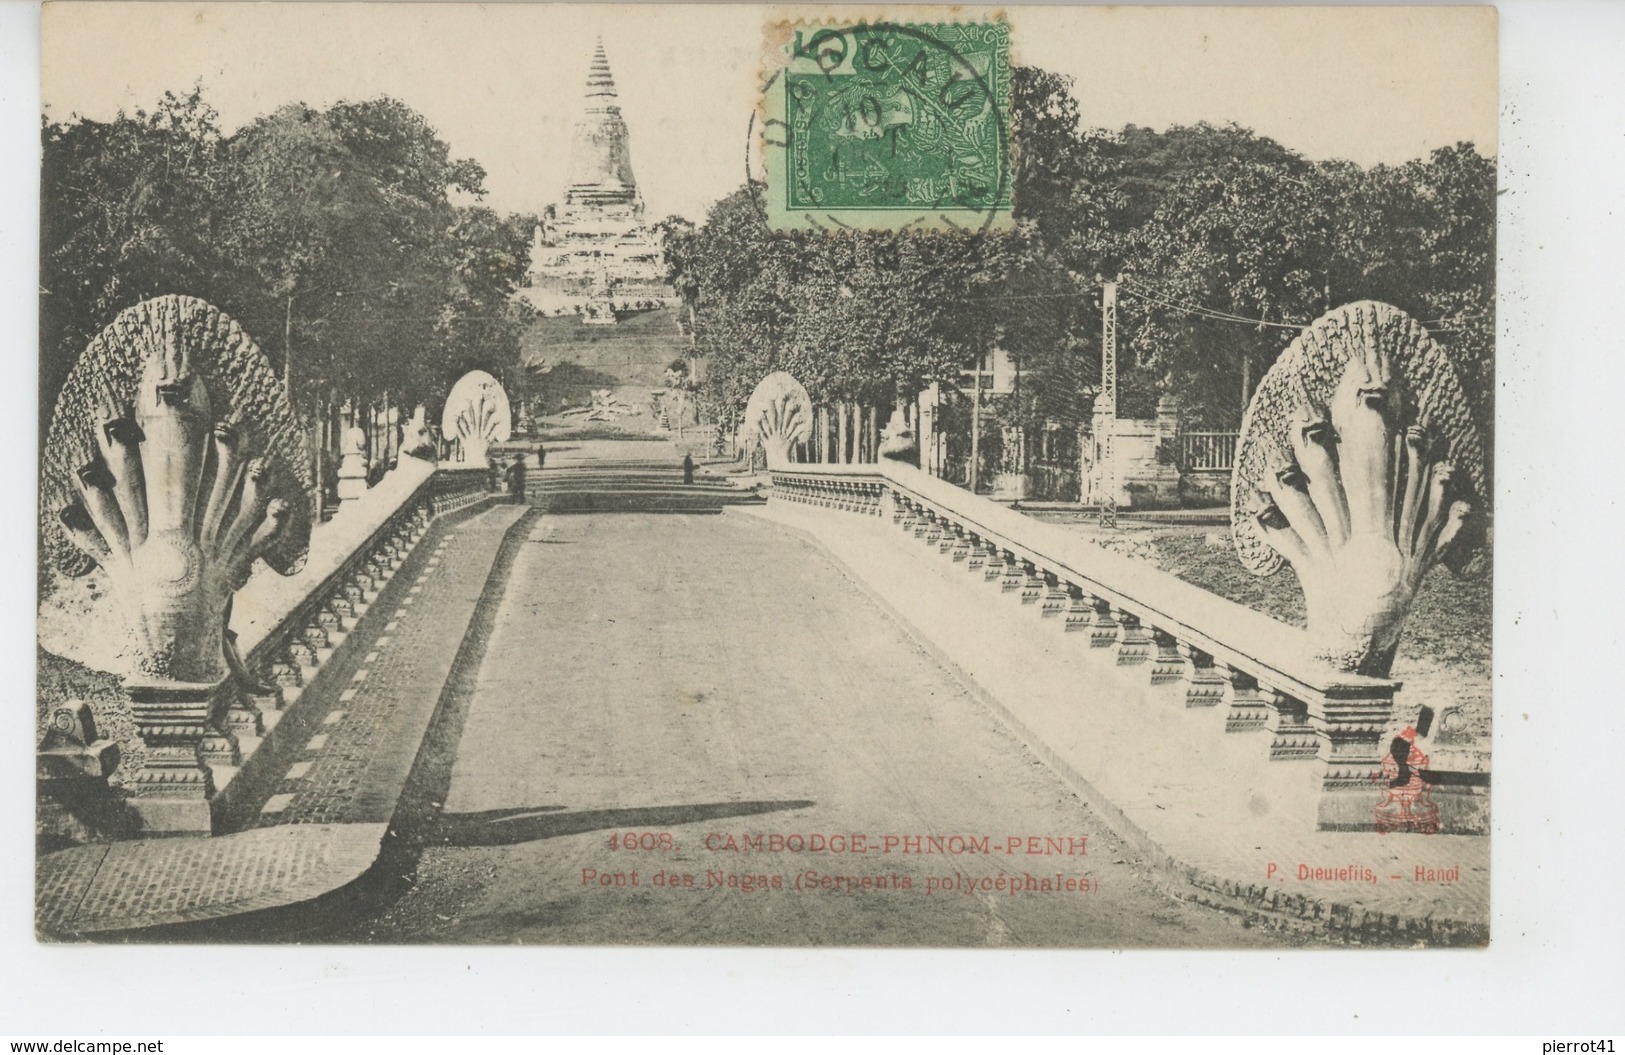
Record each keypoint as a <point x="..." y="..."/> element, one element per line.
<point x="1407" y="804"/>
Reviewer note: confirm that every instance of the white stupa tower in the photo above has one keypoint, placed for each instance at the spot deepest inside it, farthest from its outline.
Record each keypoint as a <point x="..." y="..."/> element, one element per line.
<point x="600" y="153"/>
<point x="592" y="253"/>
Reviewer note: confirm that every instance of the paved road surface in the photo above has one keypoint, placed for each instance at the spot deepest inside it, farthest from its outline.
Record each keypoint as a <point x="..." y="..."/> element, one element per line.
<point x="690" y="678"/>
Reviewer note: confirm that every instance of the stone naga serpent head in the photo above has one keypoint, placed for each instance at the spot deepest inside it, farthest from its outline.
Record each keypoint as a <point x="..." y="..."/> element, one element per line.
<point x="1359" y="464"/>
<point x="779" y="415"/>
<point x="477" y="414"/>
<point x="173" y="463"/>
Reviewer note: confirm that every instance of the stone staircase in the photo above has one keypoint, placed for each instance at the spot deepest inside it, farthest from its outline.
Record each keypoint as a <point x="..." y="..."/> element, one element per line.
<point x="631" y="486"/>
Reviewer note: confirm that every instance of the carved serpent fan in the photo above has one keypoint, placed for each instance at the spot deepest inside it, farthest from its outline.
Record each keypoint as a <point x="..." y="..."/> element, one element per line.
<point x="1359" y="463"/>
<point x="477" y="415"/>
<point x="177" y="341"/>
<point x="1307" y="374"/>
<point x="779" y="416"/>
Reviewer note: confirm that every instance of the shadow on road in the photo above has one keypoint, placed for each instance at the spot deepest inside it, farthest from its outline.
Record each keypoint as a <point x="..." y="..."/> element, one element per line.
<point x="507" y="827"/>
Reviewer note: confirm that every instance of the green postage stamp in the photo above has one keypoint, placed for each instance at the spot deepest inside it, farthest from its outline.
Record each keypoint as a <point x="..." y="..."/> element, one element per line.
<point x="888" y="126"/>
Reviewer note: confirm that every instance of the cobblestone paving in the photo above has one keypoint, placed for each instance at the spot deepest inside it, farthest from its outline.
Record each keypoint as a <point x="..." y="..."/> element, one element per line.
<point x="158" y="882"/>
<point x="353" y="767"/>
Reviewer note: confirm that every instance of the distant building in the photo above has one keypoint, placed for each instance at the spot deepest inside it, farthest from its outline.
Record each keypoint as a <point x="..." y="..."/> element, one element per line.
<point x="593" y="254"/>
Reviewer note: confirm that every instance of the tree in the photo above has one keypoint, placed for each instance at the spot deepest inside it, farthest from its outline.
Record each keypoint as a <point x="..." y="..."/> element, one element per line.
<point x="128" y="212"/>
<point x="346" y="218"/>
<point x="1232" y="256"/>
<point x="863" y="319"/>
<point x="481" y="321"/>
<point x="1227" y="242"/>
<point x="1422" y="238"/>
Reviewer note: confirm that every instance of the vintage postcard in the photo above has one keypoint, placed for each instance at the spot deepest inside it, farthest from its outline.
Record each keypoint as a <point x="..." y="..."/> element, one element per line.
<point x="737" y="475"/>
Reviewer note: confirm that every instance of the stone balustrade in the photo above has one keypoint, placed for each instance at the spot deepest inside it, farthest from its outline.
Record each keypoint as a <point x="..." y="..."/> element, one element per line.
<point x="854" y="491"/>
<point x="1197" y="649"/>
<point x="292" y="625"/>
<point x="287" y="629"/>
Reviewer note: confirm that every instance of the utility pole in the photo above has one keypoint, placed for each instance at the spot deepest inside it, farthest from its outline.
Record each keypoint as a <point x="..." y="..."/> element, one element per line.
<point x="1108" y="396"/>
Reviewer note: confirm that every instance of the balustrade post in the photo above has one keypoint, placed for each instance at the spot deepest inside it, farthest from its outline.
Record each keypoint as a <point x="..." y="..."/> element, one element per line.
<point x="1248" y="709"/>
<point x="1055" y="597"/>
<point x="976" y="554"/>
<point x="246" y="695"/>
<point x="952" y="536"/>
<point x="342" y="607"/>
<point x="1354" y="736"/>
<point x="1079" y="611"/>
<point x="1169" y="664"/>
<point x="1103" y="628"/>
<point x="244" y="714"/>
<point x="1204" y="685"/>
<point x="1014" y="574"/>
<point x="351" y="602"/>
<point x="303" y="653"/>
<point x="331" y="619"/>
<point x="219" y="746"/>
<point x="1134" y="644"/>
<point x="962" y="545"/>
<point x="1032" y="583"/>
<point x="1293" y="739"/>
<point x="287" y="673"/>
<point x="315" y="636"/>
<point x="993" y="567"/>
<point x="933" y="528"/>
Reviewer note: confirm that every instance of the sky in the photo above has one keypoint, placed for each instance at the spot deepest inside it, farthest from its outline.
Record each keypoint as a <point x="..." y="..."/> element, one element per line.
<point x="502" y="83"/>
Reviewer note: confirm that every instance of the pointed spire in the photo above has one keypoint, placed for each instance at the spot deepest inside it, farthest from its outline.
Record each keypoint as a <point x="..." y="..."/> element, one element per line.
<point x="600" y="82"/>
<point x="600" y="160"/>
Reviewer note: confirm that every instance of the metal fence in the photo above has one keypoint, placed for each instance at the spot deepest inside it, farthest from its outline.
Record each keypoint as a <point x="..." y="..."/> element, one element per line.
<point x="1207" y="450"/>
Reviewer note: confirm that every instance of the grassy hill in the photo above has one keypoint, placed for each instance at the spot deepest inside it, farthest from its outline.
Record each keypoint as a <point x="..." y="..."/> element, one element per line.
<point x="633" y="353"/>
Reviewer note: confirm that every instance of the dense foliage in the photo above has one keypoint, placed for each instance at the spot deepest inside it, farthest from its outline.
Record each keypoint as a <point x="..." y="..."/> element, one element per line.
<point x="1226" y="243"/>
<point x="345" y="240"/>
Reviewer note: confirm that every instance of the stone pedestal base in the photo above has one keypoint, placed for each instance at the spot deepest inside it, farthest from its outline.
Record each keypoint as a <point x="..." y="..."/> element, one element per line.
<point x="1349" y="808"/>
<point x="172" y="792"/>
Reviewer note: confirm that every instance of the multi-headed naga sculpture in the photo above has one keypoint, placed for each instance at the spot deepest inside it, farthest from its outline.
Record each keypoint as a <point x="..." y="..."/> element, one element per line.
<point x="476" y="415"/>
<point x="778" y="416"/>
<point x="1358" y="464"/>
<point x="173" y="464"/>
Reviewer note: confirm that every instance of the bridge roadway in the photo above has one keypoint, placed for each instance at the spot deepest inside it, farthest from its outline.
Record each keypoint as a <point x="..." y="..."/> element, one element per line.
<point x="660" y="686"/>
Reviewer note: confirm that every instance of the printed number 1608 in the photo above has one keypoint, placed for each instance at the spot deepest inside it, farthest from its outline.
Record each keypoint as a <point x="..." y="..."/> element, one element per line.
<point x="641" y="841"/>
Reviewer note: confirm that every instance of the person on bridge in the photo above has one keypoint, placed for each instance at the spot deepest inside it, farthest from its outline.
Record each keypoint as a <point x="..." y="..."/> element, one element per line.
<point x="541" y="457"/>
<point x="688" y="468"/>
<point x="516" y="479"/>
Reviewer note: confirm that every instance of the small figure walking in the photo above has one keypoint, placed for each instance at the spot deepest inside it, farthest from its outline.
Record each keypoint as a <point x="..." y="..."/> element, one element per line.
<point x="541" y="457"/>
<point x="516" y="479"/>
<point x="688" y="468"/>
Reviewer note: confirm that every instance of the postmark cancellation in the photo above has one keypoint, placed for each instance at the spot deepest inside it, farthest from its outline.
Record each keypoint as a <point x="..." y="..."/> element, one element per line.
<point x="887" y="125"/>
